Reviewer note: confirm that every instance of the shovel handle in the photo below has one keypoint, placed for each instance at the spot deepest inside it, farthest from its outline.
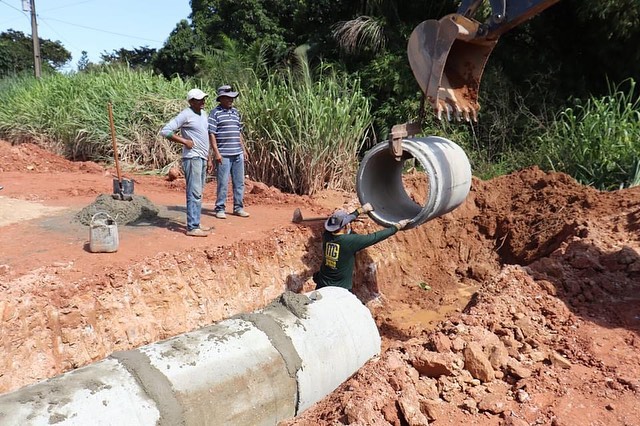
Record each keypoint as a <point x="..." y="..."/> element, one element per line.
<point x="113" y="141"/>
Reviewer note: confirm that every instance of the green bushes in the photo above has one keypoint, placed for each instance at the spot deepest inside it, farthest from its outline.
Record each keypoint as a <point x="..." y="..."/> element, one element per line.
<point x="598" y="142"/>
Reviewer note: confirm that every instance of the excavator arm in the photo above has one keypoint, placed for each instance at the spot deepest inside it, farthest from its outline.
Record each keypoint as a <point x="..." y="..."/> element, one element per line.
<point x="447" y="56"/>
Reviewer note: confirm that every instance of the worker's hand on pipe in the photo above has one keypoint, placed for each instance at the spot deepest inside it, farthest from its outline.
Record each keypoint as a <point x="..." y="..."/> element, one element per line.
<point x="366" y="208"/>
<point x="402" y="224"/>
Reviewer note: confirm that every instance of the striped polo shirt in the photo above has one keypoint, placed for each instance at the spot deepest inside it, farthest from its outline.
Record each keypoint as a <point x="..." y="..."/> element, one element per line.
<point x="226" y="125"/>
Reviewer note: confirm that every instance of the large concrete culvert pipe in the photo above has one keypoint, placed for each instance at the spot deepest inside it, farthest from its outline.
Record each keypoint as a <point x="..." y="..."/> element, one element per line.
<point x="252" y="369"/>
<point x="379" y="180"/>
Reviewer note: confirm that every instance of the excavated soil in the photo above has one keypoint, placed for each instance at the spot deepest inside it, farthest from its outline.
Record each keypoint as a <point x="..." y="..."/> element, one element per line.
<point x="520" y="307"/>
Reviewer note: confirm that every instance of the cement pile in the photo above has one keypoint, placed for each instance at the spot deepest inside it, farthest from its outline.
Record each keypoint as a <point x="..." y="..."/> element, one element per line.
<point x="138" y="209"/>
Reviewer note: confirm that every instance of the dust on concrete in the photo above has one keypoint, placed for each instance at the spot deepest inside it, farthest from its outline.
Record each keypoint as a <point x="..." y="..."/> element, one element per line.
<point x="123" y="212"/>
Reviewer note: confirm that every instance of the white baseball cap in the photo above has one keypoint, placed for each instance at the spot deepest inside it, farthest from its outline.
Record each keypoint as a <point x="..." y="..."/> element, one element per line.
<point x="196" y="94"/>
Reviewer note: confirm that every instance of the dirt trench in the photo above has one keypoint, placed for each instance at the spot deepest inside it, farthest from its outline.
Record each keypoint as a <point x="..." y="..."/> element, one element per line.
<point x="549" y="337"/>
<point x="519" y="307"/>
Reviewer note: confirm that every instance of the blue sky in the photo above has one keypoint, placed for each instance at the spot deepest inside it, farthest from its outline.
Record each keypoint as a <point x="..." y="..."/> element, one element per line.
<point x="97" y="25"/>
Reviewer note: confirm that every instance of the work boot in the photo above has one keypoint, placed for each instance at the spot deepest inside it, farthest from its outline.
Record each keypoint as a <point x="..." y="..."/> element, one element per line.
<point x="220" y="214"/>
<point x="197" y="232"/>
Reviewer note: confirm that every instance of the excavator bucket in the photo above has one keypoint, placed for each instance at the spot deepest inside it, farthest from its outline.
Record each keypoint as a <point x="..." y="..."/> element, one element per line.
<point x="447" y="60"/>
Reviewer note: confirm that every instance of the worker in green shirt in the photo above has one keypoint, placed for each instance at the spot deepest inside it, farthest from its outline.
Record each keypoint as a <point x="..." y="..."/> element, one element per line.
<point x="340" y="245"/>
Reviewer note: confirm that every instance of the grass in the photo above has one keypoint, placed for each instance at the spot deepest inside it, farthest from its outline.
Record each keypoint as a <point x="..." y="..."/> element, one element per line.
<point x="306" y="130"/>
<point x="598" y="141"/>
<point x="68" y="115"/>
<point x="305" y="135"/>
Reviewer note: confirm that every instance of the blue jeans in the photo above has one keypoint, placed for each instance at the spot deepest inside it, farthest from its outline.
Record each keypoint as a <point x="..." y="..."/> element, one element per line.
<point x="195" y="173"/>
<point x="233" y="166"/>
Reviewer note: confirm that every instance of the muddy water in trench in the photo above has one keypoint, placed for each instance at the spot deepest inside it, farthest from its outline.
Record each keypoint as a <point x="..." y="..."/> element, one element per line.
<point x="410" y="317"/>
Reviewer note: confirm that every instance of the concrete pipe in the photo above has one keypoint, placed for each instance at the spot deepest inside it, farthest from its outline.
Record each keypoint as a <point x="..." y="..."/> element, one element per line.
<point x="252" y="369"/>
<point x="334" y="341"/>
<point x="379" y="180"/>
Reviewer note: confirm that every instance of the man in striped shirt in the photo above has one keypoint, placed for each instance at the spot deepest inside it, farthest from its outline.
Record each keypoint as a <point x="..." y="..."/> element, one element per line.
<point x="227" y="144"/>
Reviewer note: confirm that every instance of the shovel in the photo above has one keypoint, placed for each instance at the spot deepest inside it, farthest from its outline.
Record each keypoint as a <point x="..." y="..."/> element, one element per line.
<point x="122" y="188"/>
<point x="297" y="217"/>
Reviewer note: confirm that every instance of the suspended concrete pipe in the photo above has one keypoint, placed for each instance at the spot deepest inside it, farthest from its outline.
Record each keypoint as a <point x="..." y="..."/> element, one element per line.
<point x="379" y="180"/>
<point x="252" y="369"/>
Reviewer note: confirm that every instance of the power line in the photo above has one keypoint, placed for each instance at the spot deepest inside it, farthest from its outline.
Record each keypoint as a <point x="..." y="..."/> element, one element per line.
<point x="54" y="27"/>
<point x="69" y="5"/>
<point x="44" y="18"/>
<point x="67" y="42"/>
<point x="37" y="59"/>
<point x="99" y="30"/>
<point x="14" y="8"/>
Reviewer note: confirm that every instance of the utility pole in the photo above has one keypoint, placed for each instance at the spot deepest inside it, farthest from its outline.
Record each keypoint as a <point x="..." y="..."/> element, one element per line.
<point x="36" y="40"/>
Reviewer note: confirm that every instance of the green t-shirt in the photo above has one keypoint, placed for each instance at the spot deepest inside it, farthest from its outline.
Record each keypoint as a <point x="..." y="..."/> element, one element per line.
<point x="338" y="256"/>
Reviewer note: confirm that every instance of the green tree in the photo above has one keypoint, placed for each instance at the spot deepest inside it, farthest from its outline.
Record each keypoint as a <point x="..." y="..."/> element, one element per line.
<point x="278" y="27"/>
<point x="16" y="53"/>
<point x="137" y="58"/>
<point x="323" y="29"/>
<point x="573" y="49"/>
<point x="241" y="20"/>
<point x="83" y="62"/>
<point x="372" y="40"/>
<point x="577" y="47"/>
<point x="179" y="54"/>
